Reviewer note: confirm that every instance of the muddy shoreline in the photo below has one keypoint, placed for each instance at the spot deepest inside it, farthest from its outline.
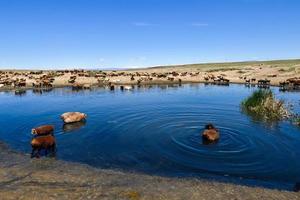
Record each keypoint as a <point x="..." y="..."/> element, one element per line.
<point x="25" y="178"/>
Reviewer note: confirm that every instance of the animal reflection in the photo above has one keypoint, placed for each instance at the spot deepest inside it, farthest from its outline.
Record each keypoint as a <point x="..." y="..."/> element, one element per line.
<point x="43" y="140"/>
<point x="41" y="91"/>
<point x="73" y="126"/>
<point x="20" y="92"/>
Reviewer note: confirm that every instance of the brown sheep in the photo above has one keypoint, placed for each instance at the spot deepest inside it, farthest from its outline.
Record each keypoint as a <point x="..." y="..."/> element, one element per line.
<point x="210" y="134"/>
<point x="43" y="130"/>
<point x="70" y="117"/>
<point x="43" y="142"/>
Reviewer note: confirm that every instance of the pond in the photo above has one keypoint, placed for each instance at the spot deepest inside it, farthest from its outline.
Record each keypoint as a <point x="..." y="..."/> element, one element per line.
<point x="157" y="130"/>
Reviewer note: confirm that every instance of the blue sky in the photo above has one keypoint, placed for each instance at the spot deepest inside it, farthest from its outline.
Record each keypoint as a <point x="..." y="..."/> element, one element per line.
<point x="131" y="33"/>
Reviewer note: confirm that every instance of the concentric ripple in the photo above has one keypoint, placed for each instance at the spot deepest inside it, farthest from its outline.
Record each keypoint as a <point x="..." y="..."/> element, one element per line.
<point x="158" y="130"/>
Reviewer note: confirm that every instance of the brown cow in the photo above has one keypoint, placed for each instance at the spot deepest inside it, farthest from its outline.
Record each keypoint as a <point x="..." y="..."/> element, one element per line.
<point x="43" y="130"/>
<point x="46" y="142"/>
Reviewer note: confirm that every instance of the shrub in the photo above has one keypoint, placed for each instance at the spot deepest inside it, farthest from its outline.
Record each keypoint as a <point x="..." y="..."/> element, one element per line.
<point x="263" y="105"/>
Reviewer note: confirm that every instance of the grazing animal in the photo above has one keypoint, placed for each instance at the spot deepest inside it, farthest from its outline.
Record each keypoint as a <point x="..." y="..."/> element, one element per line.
<point x="43" y="130"/>
<point x="70" y="117"/>
<point x="210" y="134"/>
<point x="43" y="142"/>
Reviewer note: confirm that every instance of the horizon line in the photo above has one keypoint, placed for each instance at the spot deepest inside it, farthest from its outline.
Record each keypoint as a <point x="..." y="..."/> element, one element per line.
<point x="151" y="67"/>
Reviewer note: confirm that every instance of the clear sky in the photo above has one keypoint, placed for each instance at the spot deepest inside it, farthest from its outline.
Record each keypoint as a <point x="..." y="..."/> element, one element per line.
<point x="130" y="33"/>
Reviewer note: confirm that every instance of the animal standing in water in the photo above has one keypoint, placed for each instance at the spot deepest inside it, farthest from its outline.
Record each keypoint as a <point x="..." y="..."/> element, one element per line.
<point x="43" y="130"/>
<point x="43" y="140"/>
<point x="210" y="134"/>
<point x="71" y="117"/>
<point x="46" y="143"/>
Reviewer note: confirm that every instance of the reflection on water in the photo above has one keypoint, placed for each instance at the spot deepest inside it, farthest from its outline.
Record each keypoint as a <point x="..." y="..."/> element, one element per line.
<point x="157" y="129"/>
<point x="73" y="126"/>
<point x="41" y="90"/>
<point x="207" y="142"/>
<point x="20" y="92"/>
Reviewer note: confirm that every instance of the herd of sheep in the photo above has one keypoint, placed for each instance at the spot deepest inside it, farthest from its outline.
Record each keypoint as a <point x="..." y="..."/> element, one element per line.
<point x="83" y="79"/>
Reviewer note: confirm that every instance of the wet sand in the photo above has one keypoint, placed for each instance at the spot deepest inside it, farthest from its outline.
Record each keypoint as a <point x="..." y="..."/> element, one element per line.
<point x="25" y="178"/>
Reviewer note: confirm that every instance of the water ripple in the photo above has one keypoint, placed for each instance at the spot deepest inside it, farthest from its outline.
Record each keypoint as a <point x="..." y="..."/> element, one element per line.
<point x="159" y="131"/>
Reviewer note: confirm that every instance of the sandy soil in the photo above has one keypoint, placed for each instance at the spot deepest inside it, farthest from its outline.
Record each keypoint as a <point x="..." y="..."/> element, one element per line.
<point x="23" y="178"/>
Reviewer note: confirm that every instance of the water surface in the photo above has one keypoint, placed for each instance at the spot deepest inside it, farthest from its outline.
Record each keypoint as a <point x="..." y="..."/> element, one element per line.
<point x="157" y="130"/>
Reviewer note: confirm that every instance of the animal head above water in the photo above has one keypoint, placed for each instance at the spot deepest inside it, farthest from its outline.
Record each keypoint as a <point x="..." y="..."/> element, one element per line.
<point x="33" y="131"/>
<point x="209" y="126"/>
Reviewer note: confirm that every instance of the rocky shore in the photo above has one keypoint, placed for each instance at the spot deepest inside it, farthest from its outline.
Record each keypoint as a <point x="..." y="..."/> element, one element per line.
<point x="25" y="178"/>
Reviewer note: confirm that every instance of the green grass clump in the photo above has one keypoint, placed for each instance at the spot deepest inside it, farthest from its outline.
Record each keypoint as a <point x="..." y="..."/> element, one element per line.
<point x="263" y="105"/>
<point x="257" y="98"/>
<point x="222" y="69"/>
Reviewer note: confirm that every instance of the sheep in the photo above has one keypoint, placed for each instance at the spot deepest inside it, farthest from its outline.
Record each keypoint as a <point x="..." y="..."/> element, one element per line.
<point x="71" y="117"/>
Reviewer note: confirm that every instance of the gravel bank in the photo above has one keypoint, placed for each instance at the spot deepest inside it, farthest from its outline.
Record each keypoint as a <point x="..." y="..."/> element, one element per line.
<point x="23" y="178"/>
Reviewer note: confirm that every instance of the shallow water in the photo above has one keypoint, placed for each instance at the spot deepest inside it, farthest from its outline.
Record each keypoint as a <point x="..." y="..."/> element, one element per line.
<point x="157" y="130"/>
